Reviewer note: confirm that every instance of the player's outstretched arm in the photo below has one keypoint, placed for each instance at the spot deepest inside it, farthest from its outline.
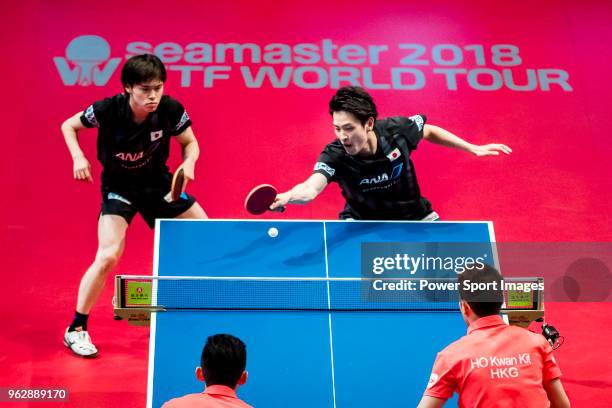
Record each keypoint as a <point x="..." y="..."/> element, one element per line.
<point x="302" y="193"/>
<point x="81" y="168"/>
<point x="556" y="394"/>
<point x="191" y="152"/>
<point x="437" y="135"/>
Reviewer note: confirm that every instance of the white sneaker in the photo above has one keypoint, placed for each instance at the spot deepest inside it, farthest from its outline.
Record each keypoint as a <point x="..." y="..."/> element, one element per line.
<point x="80" y="343"/>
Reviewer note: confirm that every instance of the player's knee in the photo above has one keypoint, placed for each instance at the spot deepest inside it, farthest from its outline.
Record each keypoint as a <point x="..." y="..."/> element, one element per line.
<point x="107" y="258"/>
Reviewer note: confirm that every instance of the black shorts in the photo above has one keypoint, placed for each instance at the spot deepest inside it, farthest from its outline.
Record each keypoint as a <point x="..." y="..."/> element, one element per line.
<point x="149" y="202"/>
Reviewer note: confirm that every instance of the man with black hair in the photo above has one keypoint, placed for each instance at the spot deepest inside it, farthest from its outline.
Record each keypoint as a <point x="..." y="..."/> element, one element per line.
<point x="222" y="368"/>
<point x="494" y="365"/>
<point x="370" y="160"/>
<point x="134" y="133"/>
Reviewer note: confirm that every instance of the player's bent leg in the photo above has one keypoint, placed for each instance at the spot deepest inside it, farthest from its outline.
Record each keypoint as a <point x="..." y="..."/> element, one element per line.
<point x="194" y="212"/>
<point x="111" y="242"/>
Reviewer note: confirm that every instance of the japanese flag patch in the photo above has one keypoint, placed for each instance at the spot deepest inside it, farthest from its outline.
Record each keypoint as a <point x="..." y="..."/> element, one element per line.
<point x="156" y="135"/>
<point x="395" y="154"/>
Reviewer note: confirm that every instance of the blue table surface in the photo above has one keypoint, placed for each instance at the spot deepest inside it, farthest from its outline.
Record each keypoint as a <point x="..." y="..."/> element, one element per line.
<point x="301" y="358"/>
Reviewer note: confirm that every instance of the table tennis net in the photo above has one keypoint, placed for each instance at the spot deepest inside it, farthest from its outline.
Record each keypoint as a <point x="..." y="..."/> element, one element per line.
<point x="317" y="294"/>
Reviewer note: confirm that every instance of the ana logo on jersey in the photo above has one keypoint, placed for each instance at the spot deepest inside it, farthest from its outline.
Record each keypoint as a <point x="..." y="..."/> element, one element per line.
<point x="381" y="178"/>
<point x="132" y="157"/>
<point x="156" y="135"/>
<point x="84" y="62"/>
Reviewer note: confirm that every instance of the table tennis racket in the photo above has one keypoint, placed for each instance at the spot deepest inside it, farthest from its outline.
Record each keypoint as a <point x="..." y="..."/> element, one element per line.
<point x="260" y="198"/>
<point x="178" y="185"/>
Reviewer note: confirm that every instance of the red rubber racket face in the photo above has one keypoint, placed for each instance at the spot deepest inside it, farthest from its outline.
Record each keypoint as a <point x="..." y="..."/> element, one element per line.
<point x="260" y="198"/>
<point x="177" y="184"/>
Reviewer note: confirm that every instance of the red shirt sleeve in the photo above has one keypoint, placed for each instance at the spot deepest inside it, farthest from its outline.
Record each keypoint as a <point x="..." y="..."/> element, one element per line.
<point x="169" y="404"/>
<point x="442" y="383"/>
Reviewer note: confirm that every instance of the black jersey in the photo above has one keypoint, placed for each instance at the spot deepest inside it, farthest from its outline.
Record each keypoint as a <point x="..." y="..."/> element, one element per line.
<point x="383" y="186"/>
<point x="134" y="155"/>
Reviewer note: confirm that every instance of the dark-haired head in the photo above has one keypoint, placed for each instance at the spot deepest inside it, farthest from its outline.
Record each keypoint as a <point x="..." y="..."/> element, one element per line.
<point x="143" y="68"/>
<point x="484" y="302"/>
<point x="223" y="361"/>
<point x="354" y="100"/>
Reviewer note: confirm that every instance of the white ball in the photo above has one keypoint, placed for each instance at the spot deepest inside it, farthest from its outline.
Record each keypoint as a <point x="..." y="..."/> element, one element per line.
<point x="273" y="232"/>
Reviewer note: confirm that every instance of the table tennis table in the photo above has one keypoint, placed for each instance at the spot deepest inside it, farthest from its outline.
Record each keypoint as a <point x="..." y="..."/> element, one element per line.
<point x="303" y="356"/>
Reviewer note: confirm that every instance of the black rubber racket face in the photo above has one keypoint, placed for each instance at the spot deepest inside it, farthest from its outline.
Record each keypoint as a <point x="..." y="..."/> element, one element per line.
<point x="260" y="198"/>
<point x="178" y="180"/>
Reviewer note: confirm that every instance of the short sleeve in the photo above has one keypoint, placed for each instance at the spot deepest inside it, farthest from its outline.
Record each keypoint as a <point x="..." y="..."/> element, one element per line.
<point x="179" y="118"/>
<point x="96" y="114"/>
<point x="327" y="165"/>
<point x="442" y="382"/>
<point x="407" y="131"/>
<point x="412" y="128"/>
<point x="550" y="369"/>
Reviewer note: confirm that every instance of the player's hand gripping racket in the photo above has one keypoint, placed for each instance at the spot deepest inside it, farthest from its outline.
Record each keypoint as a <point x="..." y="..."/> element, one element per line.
<point x="178" y="185"/>
<point x="260" y="199"/>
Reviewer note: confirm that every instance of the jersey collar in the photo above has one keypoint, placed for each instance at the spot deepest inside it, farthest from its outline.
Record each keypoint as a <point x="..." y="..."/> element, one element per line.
<point x="484" y="322"/>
